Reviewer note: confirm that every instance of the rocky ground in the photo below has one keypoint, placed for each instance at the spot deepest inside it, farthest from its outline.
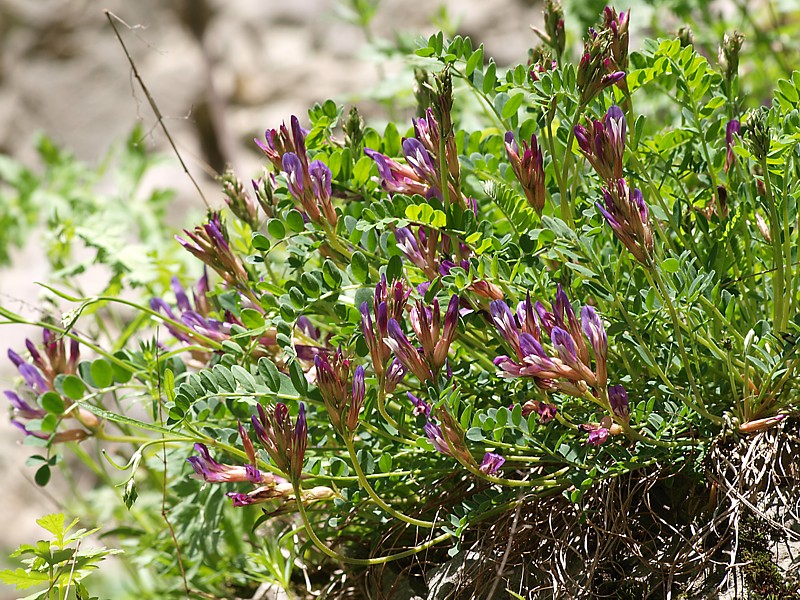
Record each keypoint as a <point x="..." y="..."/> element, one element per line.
<point x="221" y="72"/>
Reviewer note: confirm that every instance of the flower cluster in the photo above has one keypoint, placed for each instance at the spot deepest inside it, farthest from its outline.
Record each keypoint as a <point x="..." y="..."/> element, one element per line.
<point x="389" y="302"/>
<point x="39" y="377"/>
<point x="603" y="145"/>
<point x="286" y="445"/>
<point x="343" y="399"/>
<point x="210" y="243"/>
<point x="422" y="173"/>
<point x="598" y="67"/>
<point x="570" y="369"/>
<point x="435" y="339"/>
<point x="529" y="169"/>
<point x="309" y="181"/>
<point x="626" y="212"/>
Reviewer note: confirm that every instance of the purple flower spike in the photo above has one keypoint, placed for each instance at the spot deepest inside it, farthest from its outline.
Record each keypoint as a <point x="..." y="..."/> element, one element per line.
<point x="618" y="398"/>
<point x="299" y="443"/>
<point x="732" y="131"/>
<point x="294" y="174"/>
<point x="491" y="463"/>
<point x="529" y="169"/>
<point x="565" y="346"/>
<point x="23" y="409"/>
<point x="405" y="352"/>
<point x="596" y="333"/>
<point x="434" y="433"/>
<point x="504" y="321"/>
<point x="603" y="144"/>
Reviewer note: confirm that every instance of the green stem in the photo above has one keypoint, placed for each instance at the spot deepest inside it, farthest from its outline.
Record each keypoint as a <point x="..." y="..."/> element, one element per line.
<point x="777" y="253"/>
<point x="375" y="497"/>
<point x="699" y="407"/>
<point x="298" y="494"/>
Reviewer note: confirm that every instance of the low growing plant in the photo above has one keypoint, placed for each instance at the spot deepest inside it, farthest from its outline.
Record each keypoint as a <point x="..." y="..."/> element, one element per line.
<point x="546" y="339"/>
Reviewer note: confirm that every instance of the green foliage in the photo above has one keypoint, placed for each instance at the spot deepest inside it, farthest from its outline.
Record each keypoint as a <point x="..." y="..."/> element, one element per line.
<point x="59" y="565"/>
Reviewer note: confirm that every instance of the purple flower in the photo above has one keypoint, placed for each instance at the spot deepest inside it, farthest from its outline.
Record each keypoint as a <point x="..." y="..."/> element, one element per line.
<point x="527" y="317"/>
<point x="565" y="318"/>
<point x="420" y="160"/>
<point x="604" y="145"/>
<point x="596" y="333"/>
<point x="491" y="463"/>
<point x="357" y="398"/>
<point x="434" y="433"/>
<point x="618" y="398"/>
<point x="214" y="472"/>
<point x="22" y="408"/>
<point x="504" y="321"/>
<point x="732" y="131"/>
<point x="420" y="406"/>
<point x="598" y="437"/>
<point x="406" y="353"/>
<point x="397" y="178"/>
<point x="299" y="443"/>
<point x="626" y="213"/>
<point x="209" y="243"/>
<point x="529" y="169"/>
<point x="394" y="375"/>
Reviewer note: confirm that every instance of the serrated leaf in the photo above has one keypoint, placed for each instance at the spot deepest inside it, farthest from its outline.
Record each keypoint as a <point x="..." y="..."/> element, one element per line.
<point x="22" y="579"/>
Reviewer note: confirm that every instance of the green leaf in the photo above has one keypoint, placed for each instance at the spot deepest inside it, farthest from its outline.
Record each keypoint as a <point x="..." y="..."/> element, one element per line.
<point x="512" y="105"/>
<point x="252" y="318"/>
<point x="298" y="378"/>
<point x="270" y="373"/>
<point x="73" y="387"/>
<point x="670" y="265"/>
<point x="360" y="267"/>
<point x="261" y="242"/>
<point x="475" y="61"/>
<point x="245" y="379"/>
<point x="42" y="475"/>
<point x="52" y="403"/>
<point x="490" y="77"/>
<point x="23" y="579"/>
<point x="475" y="434"/>
<point x="102" y="373"/>
<point x="294" y="221"/>
<point x="276" y="229"/>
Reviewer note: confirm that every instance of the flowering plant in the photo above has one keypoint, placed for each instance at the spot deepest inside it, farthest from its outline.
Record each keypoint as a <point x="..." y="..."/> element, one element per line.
<point x="400" y="338"/>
